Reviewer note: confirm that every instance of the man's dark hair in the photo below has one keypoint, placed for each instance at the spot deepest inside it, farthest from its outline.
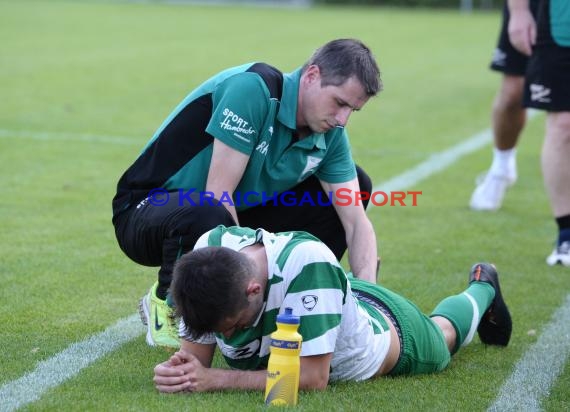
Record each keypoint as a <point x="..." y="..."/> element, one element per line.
<point x="209" y="284"/>
<point x="341" y="59"/>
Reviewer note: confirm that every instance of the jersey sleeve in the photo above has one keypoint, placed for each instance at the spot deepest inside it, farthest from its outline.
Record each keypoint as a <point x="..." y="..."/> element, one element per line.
<point x="203" y="239"/>
<point x="240" y="105"/>
<point x="206" y="339"/>
<point x="317" y="294"/>
<point x="337" y="165"/>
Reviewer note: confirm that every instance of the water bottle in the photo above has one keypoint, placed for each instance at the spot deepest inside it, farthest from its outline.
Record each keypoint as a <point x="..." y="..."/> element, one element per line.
<point x="284" y="367"/>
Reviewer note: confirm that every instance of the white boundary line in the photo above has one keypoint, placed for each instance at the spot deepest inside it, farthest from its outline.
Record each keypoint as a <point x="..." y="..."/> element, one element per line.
<point x="538" y="369"/>
<point x="434" y="164"/>
<point x="73" y="137"/>
<point x="291" y="4"/>
<point x="439" y="161"/>
<point x="67" y="363"/>
<point x="522" y="385"/>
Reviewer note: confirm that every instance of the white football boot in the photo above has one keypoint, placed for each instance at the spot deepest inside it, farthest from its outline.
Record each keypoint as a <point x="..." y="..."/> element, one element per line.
<point x="490" y="191"/>
<point x="560" y="254"/>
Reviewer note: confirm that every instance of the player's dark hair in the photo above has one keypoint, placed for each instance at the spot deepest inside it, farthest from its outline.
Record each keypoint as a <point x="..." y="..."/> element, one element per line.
<point x="209" y="285"/>
<point x="341" y="59"/>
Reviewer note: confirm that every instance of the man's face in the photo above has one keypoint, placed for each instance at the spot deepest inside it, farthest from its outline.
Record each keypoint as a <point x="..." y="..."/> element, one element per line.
<point x="323" y="108"/>
<point x="243" y="319"/>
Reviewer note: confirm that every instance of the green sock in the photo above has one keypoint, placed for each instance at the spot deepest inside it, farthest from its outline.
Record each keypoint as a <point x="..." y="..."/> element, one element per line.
<point x="465" y="310"/>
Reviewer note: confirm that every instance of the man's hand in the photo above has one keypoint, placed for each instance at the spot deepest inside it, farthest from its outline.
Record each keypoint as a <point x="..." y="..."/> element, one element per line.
<point x="169" y="376"/>
<point x="182" y="372"/>
<point x="360" y="236"/>
<point x="522" y="29"/>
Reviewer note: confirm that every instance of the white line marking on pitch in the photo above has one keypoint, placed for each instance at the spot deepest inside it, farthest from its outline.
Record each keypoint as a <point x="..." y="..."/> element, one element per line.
<point x="74" y="137"/>
<point x="66" y="364"/>
<point x="438" y="162"/>
<point x="537" y="370"/>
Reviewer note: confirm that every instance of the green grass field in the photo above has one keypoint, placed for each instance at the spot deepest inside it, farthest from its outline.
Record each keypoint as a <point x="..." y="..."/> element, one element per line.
<point x="85" y="84"/>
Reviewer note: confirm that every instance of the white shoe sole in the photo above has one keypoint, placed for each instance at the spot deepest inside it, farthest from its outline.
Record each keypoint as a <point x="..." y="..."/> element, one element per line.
<point x="144" y="311"/>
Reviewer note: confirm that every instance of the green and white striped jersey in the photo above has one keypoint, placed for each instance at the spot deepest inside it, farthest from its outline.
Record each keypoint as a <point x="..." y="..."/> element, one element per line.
<point x="304" y="275"/>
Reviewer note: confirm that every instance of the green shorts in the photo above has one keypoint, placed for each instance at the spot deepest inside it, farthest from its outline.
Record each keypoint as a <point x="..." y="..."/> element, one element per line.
<point x="424" y="349"/>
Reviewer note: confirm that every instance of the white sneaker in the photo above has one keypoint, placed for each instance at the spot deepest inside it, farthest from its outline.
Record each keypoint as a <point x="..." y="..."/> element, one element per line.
<point x="560" y="254"/>
<point x="490" y="191"/>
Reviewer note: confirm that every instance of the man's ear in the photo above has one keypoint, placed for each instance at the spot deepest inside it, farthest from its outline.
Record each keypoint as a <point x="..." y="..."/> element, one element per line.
<point x="253" y="289"/>
<point x="312" y="74"/>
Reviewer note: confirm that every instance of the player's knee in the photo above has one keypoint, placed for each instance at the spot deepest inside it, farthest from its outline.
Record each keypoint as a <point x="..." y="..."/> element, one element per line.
<point x="510" y="103"/>
<point x="558" y="127"/>
<point x="449" y="332"/>
<point x="209" y="217"/>
<point x="192" y="222"/>
<point x="510" y="95"/>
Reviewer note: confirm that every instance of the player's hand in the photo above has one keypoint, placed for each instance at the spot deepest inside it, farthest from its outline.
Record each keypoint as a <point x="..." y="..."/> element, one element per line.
<point x="198" y="377"/>
<point x="170" y="377"/>
<point x="182" y="372"/>
<point x="522" y="30"/>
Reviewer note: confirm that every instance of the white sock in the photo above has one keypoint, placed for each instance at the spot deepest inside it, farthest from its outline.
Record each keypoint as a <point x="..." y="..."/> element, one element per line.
<point x="474" y="322"/>
<point x="504" y="162"/>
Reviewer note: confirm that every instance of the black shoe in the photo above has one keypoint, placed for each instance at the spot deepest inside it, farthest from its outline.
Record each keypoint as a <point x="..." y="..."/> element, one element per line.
<point x="496" y="325"/>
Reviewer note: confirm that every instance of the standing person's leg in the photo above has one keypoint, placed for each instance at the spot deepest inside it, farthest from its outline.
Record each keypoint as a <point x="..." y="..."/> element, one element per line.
<point x="305" y="207"/>
<point x="547" y="88"/>
<point x="508" y="116"/>
<point x="508" y="119"/>
<point x="556" y="173"/>
<point x="157" y="235"/>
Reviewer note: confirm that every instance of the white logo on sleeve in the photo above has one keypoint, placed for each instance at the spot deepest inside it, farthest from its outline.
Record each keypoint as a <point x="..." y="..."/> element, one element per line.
<point x="236" y="124"/>
<point x="539" y="93"/>
<point x="312" y="163"/>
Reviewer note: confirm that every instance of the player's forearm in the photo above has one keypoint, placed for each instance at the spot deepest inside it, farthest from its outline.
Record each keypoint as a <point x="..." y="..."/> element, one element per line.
<point x="517" y="5"/>
<point x="224" y="197"/>
<point x="362" y="254"/>
<point x="203" y="352"/>
<point x="222" y="379"/>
